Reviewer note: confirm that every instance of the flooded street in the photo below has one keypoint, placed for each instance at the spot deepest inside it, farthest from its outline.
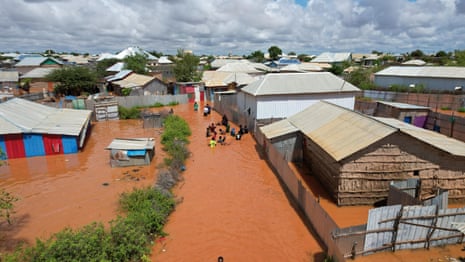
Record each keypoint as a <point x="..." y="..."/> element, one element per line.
<point x="231" y="203"/>
<point x="68" y="190"/>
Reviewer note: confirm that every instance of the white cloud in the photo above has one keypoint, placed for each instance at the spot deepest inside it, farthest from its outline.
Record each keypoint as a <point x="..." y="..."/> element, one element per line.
<point x="237" y="26"/>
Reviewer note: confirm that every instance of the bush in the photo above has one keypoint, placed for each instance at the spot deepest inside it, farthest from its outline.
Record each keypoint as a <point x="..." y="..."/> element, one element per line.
<point x="461" y="110"/>
<point x="158" y="104"/>
<point x="445" y="108"/>
<point x="128" y="113"/>
<point x="130" y="237"/>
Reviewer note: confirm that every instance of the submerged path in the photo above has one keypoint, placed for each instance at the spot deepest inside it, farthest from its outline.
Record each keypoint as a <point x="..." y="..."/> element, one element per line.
<point x="232" y="206"/>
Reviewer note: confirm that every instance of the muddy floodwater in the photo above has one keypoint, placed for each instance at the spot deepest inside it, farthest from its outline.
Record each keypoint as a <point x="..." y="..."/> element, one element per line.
<point x="231" y="204"/>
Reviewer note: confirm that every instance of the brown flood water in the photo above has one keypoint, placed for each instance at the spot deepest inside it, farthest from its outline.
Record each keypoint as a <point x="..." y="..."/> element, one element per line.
<point x="232" y="203"/>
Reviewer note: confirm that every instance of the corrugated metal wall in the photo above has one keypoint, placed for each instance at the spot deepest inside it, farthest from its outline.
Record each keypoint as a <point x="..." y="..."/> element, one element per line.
<point x="69" y="144"/>
<point x="3" y="155"/>
<point x="287" y="105"/>
<point x="14" y="146"/>
<point x="33" y="145"/>
<point x="52" y="144"/>
<point x="429" y="83"/>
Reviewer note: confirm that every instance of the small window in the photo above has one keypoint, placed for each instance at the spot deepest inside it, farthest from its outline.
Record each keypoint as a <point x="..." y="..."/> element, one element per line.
<point x="416" y="172"/>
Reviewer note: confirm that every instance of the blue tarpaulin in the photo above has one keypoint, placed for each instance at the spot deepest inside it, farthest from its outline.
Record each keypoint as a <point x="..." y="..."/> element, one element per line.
<point x="136" y="152"/>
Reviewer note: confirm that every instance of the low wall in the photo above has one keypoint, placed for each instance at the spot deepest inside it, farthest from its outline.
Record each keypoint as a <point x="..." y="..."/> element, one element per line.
<point x="321" y="221"/>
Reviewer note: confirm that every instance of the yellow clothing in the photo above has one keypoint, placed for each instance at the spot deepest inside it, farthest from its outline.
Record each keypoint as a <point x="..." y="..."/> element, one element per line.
<point x="212" y="143"/>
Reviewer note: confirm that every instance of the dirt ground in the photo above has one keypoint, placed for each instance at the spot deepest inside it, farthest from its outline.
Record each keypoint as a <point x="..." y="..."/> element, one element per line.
<point x="231" y="203"/>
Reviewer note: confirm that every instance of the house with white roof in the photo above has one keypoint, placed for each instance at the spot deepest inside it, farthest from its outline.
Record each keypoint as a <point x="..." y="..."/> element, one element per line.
<point x="8" y="80"/>
<point x="29" y="63"/>
<point x="30" y="129"/>
<point x="130" y="51"/>
<point x="278" y="96"/>
<point x="438" y="78"/>
<point x="139" y="85"/>
<point x="333" y="58"/>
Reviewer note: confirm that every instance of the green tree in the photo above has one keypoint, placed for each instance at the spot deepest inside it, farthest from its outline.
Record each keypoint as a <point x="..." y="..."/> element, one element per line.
<point x="292" y="53"/>
<point x="101" y="67"/>
<point x="304" y="58"/>
<point x="459" y="57"/>
<point x="73" y="80"/>
<point x="360" y="78"/>
<point x="257" y="56"/>
<point x="7" y="200"/>
<point x="155" y="53"/>
<point x="441" y="54"/>
<point x="25" y="85"/>
<point x="336" y="69"/>
<point x="417" y="53"/>
<point x="274" y="52"/>
<point x="137" y="63"/>
<point x="185" y="69"/>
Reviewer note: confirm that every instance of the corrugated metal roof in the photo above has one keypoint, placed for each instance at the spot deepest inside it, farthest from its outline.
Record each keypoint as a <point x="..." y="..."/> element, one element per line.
<point x="134" y="80"/>
<point x="219" y="78"/>
<point x="36" y="61"/>
<point x="403" y="105"/>
<point x="327" y="57"/>
<point x="9" y="76"/>
<point x="440" y="141"/>
<point x="31" y="117"/>
<point x="147" y="143"/>
<point x="219" y="62"/>
<point x="415" y="62"/>
<point x="119" y="66"/>
<point x="39" y="72"/>
<point x="237" y="67"/>
<point x="299" y="83"/>
<point x="118" y="76"/>
<point x="339" y="131"/>
<point x="277" y="129"/>
<point x="424" y="71"/>
<point x="8" y="128"/>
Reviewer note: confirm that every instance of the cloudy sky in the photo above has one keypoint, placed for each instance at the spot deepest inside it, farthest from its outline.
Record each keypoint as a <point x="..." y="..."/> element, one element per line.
<point x="232" y="26"/>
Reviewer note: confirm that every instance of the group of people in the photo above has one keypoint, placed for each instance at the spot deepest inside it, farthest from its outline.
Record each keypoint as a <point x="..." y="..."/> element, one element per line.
<point x="211" y="130"/>
<point x="212" y="133"/>
<point x="242" y="130"/>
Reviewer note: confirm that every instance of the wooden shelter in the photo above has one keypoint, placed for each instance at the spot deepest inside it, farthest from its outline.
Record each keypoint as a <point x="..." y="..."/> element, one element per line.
<point x="355" y="157"/>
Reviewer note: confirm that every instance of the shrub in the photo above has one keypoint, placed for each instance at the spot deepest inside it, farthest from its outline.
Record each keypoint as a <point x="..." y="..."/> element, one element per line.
<point x="445" y="108"/>
<point x="461" y="110"/>
<point x="130" y="237"/>
<point x="158" y="104"/>
<point x="128" y="113"/>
